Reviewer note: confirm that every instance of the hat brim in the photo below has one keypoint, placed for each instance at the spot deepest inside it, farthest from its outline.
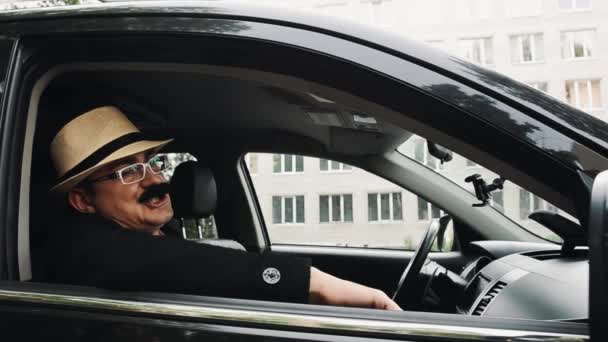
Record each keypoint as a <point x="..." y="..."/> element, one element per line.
<point x="122" y="152"/>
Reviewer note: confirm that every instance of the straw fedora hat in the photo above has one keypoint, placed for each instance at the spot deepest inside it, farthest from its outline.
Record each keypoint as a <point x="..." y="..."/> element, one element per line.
<point x="93" y="140"/>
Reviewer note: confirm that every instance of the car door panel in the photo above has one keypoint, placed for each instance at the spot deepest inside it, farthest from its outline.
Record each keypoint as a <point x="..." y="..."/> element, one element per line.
<point x="69" y="325"/>
<point x="61" y="312"/>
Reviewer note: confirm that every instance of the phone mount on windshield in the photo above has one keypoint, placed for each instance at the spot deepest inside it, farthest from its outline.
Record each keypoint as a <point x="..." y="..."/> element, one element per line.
<point x="483" y="190"/>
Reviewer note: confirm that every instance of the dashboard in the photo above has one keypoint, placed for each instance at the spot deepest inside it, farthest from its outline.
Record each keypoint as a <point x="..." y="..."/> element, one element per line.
<point x="505" y="281"/>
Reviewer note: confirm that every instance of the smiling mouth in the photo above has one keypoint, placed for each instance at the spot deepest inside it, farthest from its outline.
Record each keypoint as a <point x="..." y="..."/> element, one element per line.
<point x="157" y="201"/>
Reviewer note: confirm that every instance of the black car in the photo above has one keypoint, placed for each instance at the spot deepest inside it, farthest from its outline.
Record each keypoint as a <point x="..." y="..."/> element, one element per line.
<point x="230" y="79"/>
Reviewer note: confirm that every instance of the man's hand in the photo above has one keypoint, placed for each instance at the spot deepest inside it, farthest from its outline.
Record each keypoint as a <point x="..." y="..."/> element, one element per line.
<point x="327" y="289"/>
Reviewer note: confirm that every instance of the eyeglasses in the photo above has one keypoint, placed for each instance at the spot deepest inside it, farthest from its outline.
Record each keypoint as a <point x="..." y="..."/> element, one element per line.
<point x="136" y="172"/>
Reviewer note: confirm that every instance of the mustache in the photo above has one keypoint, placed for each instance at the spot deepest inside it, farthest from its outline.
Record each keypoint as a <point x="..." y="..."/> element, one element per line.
<point x="156" y="190"/>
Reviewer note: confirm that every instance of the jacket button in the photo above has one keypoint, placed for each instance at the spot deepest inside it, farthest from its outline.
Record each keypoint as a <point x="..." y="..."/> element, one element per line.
<point x="271" y="275"/>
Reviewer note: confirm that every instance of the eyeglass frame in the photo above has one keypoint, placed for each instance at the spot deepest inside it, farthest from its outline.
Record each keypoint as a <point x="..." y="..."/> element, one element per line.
<point x="118" y="173"/>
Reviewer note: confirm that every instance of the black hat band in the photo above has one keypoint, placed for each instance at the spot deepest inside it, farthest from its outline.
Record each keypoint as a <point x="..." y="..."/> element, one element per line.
<point x="103" y="152"/>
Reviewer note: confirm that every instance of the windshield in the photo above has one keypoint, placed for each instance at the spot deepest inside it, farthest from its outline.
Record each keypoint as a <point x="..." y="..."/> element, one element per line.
<point x="512" y="201"/>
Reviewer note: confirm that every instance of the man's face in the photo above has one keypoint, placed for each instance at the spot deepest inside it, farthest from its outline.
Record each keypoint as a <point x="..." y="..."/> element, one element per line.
<point x="122" y="202"/>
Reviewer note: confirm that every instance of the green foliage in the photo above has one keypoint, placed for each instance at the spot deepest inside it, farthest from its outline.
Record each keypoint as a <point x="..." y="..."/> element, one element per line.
<point x="448" y="243"/>
<point x="407" y="244"/>
<point x="174" y="160"/>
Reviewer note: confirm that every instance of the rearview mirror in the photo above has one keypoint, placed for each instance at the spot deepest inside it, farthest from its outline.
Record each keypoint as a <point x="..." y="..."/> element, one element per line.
<point x="439" y="152"/>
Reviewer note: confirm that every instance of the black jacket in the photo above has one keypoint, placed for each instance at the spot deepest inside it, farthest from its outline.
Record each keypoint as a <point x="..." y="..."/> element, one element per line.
<point x="92" y="251"/>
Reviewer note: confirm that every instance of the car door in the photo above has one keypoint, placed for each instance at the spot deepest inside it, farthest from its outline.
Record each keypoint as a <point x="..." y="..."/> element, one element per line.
<point x="71" y="312"/>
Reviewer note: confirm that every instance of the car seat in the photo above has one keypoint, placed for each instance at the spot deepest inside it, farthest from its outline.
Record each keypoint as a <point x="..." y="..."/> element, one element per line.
<point x="194" y="196"/>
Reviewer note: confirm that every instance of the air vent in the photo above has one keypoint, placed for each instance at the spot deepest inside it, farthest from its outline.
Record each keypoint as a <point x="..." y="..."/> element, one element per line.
<point x="488" y="298"/>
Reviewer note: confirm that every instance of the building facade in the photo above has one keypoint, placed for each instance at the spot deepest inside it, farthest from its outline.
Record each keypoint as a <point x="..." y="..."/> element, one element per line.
<point x="320" y="202"/>
<point x="558" y="46"/>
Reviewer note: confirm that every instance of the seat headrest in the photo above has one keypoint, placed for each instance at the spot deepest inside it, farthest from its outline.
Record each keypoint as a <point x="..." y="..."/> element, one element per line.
<point x="193" y="191"/>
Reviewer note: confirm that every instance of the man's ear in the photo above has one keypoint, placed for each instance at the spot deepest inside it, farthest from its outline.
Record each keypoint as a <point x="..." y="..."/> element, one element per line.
<point x="80" y="199"/>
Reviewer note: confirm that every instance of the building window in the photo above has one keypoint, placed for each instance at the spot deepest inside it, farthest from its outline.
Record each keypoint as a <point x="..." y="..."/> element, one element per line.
<point x="331" y="166"/>
<point x="542" y="86"/>
<point x="524" y="8"/>
<point x="529" y="203"/>
<point x="335" y="208"/>
<point x="251" y="160"/>
<point x="578" y="44"/>
<point x="384" y="207"/>
<point x="428" y="211"/>
<point x="527" y="48"/>
<point x="584" y="94"/>
<point x="287" y="209"/>
<point x="421" y="155"/>
<point x="574" y="5"/>
<point x="287" y="163"/>
<point x="477" y="50"/>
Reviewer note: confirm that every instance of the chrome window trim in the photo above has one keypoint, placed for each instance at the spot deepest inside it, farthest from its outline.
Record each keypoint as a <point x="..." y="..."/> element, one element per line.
<point x="289" y="321"/>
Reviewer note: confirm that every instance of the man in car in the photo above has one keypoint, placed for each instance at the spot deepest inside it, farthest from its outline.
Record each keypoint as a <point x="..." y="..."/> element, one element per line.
<point x="111" y="177"/>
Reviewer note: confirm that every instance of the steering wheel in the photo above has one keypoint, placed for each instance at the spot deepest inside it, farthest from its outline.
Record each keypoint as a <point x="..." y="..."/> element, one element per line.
<point x="410" y="280"/>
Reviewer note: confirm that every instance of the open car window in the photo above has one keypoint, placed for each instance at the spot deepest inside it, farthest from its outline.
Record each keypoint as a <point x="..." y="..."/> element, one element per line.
<point x="321" y="202"/>
<point x="513" y="201"/>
